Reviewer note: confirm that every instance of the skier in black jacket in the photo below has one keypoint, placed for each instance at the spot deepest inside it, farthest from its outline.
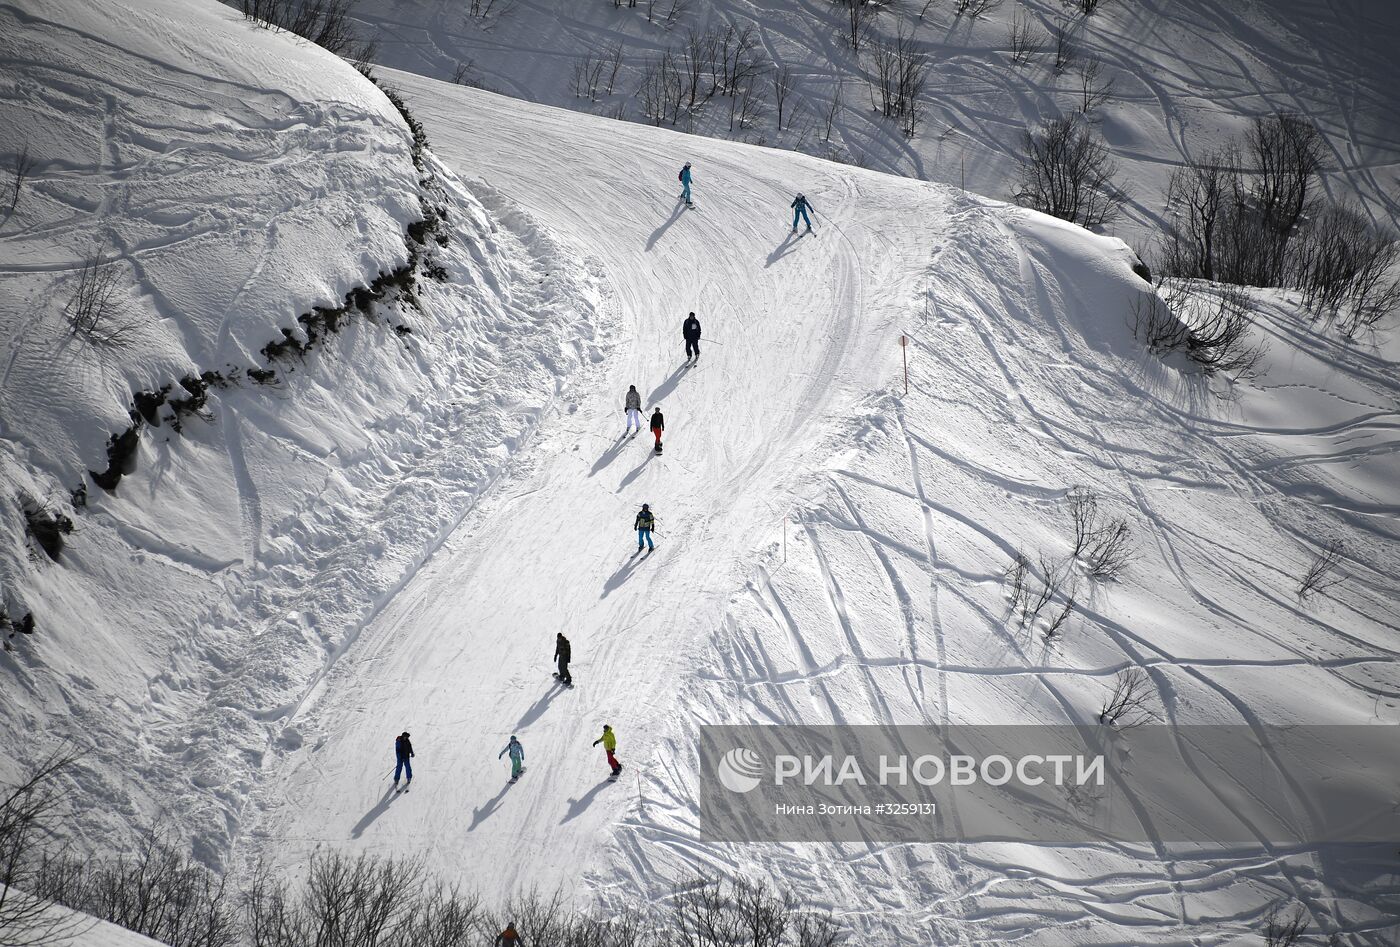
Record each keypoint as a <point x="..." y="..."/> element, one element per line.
<point x="658" y="424"/>
<point x="562" y="653"/>
<point x="403" y="752"/>
<point x="691" y="331"/>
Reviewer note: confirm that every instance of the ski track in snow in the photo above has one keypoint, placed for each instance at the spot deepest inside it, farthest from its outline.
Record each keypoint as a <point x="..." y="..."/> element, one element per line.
<point x="904" y="511"/>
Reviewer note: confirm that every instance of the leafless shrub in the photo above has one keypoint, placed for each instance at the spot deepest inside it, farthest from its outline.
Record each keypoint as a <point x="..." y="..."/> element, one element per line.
<point x="1109" y="550"/>
<point x="1065" y="49"/>
<point x="1130" y="704"/>
<point x="1092" y="91"/>
<point x="155" y="890"/>
<point x="1086" y="7"/>
<point x="1284" y="929"/>
<point x="711" y="913"/>
<point x="1059" y="619"/>
<point x="27" y="919"/>
<point x="486" y="10"/>
<point x="662" y="90"/>
<point x="464" y="73"/>
<point x="671" y="10"/>
<point x="1220" y="339"/>
<point x="1104" y="547"/>
<point x="1155" y="324"/>
<point x="1024" y="38"/>
<point x="737" y="59"/>
<point x="1068" y="173"/>
<point x="94" y="310"/>
<point x="1015" y="578"/>
<point x="19" y="168"/>
<point x="1322" y="573"/>
<point x="974" y="8"/>
<point x="1344" y="268"/>
<point x="327" y="23"/>
<point x="749" y="104"/>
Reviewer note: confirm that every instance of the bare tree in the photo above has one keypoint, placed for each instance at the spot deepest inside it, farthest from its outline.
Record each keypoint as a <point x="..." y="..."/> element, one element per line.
<point x="1284" y="929"/>
<point x="974" y="8"/>
<point x="1344" y="266"/>
<point x="1322" y="572"/>
<point x="1069" y="174"/>
<point x="1092" y="92"/>
<point x="833" y="107"/>
<point x="1109" y="551"/>
<point x="20" y="167"/>
<point x="1086" y="7"/>
<point x="1065" y="49"/>
<point x="614" y="60"/>
<point x="94" y="311"/>
<point x="710" y="913"/>
<point x="1130" y="704"/>
<point x="27" y="919"/>
<point x="782" y="90"/>
<point x="1287" y="153"/>
<point x="899" y="68"/>
<point x="587" y="74"/>
<point x="1156" y="325"/>
<point x="1203" y="192"/>
<point x="859" y="13"/>
<point x="462" y="72"/>
<point x="1024" y="38"/>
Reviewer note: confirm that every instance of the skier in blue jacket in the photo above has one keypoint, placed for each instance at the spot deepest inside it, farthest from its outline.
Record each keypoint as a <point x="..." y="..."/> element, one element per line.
<point x="685" y="184"/>
<point x="403" y="752"/>
<point x="800" y="205"/>
<point x="517" y="757"/>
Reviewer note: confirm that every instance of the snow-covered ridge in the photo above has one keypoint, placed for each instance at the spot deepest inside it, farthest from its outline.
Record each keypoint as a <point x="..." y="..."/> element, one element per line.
<point x="238" y="178"/>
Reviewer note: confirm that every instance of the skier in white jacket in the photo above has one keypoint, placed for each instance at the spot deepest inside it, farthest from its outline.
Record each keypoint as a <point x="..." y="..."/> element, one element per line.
<point x="634" y="411"/>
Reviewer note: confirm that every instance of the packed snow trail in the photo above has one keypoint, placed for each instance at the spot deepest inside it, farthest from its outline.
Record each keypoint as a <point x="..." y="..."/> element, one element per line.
<point x="1025" y="381"/>
<point x="462" y="657"/>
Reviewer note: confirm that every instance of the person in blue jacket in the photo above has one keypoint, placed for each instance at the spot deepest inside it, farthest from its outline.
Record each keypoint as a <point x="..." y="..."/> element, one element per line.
<point x="685" y="184"/>
<point x="800" y="206"/>
<point x="403" y="752"/>
<point x="517" y="757"/>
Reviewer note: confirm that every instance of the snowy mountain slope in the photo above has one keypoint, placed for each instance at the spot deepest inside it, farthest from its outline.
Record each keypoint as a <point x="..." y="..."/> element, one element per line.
<point x="1186" y="74"/>
<point x="241" y="177"/>
<point x="904" y="511"/>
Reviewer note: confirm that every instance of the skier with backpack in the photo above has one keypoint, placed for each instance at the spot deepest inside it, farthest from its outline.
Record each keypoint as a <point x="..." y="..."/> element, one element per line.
<point x="658" y="424"/>
<point x="403" y="752"/>
<point x="562" y="652"/>
<point x="644" y="524"/>
<point x="690" y="330"/>
<point x="633" y="406"/>
<point x="800" y="205"/>
<point x="609" y="741"/>
<point x="517" y="758"/>
<point x="684" y="178"/>
<point x="509" y="937"/>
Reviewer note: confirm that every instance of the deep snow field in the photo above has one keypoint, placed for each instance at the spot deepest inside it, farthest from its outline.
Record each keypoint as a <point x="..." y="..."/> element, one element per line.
<point x="1186" y="76"/>
<point x="390" y="534"/>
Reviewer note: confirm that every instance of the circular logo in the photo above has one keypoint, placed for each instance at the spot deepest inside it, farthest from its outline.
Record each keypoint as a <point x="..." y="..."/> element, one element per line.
<point x="740" y="770"/>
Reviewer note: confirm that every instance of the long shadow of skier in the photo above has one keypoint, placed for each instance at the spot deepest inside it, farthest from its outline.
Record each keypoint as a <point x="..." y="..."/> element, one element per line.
<point x="609" y="455"/>
<point x="781" y="250"/>
<point x="481" y="813"/>
<point x="636" y="472"/>
<point x="540" y="706"/>
<point x="667" y="386"/>
<point x="576" y="806"/>
<point x="660" y="231"/>
<point x="368" y="818"/>
<point x="622" y="575"/>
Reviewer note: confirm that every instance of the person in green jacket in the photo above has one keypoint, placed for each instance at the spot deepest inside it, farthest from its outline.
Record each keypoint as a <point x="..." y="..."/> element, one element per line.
<point x="609" y="741"/>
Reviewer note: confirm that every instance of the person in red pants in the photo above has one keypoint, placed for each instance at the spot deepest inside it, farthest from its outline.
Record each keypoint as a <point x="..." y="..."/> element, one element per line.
<point x="658" y="424"/>
<point x="609" y="741"/>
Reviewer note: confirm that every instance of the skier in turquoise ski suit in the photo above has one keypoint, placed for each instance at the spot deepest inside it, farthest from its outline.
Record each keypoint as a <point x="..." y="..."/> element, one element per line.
<point x="517" y="757"/>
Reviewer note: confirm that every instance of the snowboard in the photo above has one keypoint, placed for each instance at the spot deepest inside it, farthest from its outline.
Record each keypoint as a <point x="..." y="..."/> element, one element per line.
<point x="568" y="683"/>
<point x="518" y="775"/>
<point x="657" y="449"/>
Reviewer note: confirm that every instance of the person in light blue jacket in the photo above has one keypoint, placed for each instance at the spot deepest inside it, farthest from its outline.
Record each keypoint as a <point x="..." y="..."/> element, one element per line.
<point x="685" y="184"/>
<point x="517" y="757"/>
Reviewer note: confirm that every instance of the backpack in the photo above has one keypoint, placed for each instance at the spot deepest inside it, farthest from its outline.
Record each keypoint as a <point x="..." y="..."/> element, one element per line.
<point x="680" y="175"/>
<point x="645" y="520"/>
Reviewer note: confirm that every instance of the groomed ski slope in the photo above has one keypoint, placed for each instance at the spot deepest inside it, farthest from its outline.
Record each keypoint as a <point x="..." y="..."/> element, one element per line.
<point x="904" y="511"/>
